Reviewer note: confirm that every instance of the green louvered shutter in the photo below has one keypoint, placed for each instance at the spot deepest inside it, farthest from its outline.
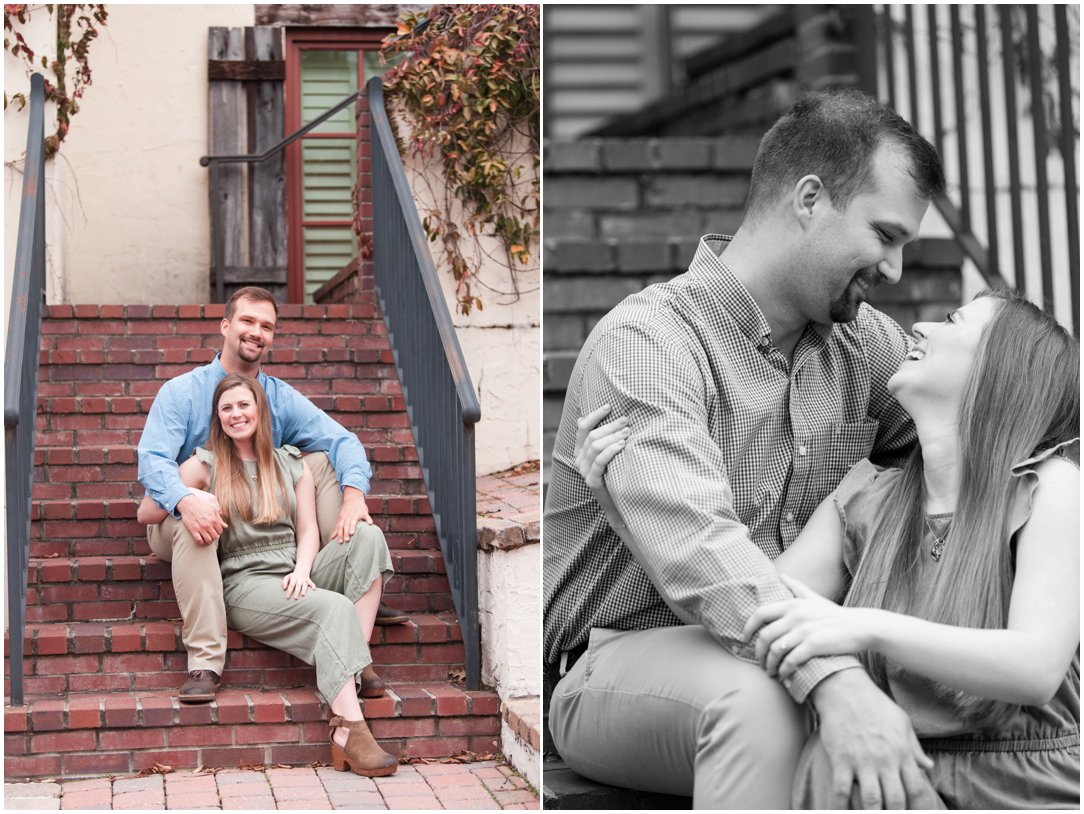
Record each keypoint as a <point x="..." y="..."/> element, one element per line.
<point x="329" y="165"/>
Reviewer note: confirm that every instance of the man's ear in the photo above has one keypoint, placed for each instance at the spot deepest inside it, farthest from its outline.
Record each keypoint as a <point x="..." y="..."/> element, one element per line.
<point x="224" y="327"/>
<point x="809" y="195"/>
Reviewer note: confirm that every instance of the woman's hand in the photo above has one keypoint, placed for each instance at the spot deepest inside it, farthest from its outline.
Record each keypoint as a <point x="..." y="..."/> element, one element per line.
<point x="795" y="630"/>
<point x="596" y="446"/>
<point x="296" y="583"/>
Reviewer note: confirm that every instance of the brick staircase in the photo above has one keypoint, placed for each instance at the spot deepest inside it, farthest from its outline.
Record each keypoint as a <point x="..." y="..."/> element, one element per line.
<point x="103" y="653"/>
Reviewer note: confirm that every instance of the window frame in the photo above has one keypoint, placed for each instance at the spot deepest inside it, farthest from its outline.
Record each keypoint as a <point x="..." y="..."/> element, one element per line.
<point x="311" y="39"/>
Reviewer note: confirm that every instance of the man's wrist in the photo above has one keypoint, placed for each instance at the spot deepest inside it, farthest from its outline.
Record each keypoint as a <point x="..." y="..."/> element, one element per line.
<point x="838" y="685"/>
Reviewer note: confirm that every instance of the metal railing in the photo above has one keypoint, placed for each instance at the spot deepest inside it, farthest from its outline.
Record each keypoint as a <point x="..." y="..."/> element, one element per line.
<point x="991" y="87"/>
<point x="21" y="378"/>
<point x="216" y="162"/>
<point x="440" y="399"/>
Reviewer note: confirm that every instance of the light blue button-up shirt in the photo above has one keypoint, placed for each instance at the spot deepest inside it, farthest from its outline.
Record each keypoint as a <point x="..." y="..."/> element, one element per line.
<point x="180" y="420"/>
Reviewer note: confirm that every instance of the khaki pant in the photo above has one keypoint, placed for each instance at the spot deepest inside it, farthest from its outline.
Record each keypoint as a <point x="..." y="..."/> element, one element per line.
<point x="669" y="710"/>
<point x="197" y="580"/>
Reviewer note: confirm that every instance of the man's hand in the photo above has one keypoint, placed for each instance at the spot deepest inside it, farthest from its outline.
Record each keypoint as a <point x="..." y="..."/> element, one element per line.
<point x="354" y="511"/>
<point x="870" y="741"/>
<point x="201" y="516"/>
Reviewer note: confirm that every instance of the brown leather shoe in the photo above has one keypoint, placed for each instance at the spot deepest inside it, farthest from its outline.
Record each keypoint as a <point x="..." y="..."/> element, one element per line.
<point x="389" y="616"/>
<point x="370" y="685"/>
<point x="200" y="687"/>
<point x="362" y="753"/>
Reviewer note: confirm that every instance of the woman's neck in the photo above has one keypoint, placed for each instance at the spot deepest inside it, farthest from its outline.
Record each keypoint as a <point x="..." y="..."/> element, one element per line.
<point x="940" y="473"/>
<point x="246" y="451"/>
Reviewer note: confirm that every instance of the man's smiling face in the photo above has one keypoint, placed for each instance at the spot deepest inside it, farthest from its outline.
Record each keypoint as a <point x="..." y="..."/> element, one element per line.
<point x="248" y="334"/>
<point x="862" y="245"/>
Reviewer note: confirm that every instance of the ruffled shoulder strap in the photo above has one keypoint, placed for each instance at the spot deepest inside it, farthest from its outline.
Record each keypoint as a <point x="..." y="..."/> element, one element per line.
<point x="856" y="500"/>
<point x="289" y="459"/>
<point x="205" y="456"/>
<point x="1028" y="479"/>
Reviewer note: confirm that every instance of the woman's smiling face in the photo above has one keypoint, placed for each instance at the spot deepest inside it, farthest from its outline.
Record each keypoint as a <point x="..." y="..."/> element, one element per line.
<point x="237" y="413"/>
<point x="941" y="360"/>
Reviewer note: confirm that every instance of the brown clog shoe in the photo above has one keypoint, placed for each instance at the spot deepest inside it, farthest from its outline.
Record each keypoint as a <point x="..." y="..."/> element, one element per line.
<point x="362" y="754"/>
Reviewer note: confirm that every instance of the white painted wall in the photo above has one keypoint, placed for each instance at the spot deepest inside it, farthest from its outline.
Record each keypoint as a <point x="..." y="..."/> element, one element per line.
<point x="128" y="216"/>
<point x="501" y="342"/>
<point x="139" y="225"/>
<point x="509" y="599"/>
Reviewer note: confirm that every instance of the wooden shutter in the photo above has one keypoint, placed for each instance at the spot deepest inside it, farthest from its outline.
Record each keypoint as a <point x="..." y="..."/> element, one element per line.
<point x="245" y="72"/>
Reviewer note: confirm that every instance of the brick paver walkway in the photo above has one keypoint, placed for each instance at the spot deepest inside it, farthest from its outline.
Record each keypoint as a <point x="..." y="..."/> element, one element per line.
<point x="470" y="787"/>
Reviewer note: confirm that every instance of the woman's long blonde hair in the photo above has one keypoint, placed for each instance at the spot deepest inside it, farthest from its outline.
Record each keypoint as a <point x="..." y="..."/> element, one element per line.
<point x="1022" y="396"/>
<point x="231" y="486"/>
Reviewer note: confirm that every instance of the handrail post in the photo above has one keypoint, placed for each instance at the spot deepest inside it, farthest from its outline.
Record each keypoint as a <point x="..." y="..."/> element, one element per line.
<point x="21" y="378"/>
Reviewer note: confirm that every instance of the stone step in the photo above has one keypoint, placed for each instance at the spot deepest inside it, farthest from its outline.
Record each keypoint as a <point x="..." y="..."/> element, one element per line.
<point x="89" y="656"/>
<point x="125" y="732"/>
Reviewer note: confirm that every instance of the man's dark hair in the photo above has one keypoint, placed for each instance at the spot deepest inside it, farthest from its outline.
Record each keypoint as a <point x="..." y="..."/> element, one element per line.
<point x="833" y="135"/>
<point x="250" y="292"/>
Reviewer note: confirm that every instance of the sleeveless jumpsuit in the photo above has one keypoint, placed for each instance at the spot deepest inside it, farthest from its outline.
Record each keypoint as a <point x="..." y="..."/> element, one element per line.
<point x="321" y="628"/>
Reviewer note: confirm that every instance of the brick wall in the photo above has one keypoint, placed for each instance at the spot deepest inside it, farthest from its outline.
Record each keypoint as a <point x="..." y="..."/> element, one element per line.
<point x="621" y="214"/>
<point x="745" y="82"/>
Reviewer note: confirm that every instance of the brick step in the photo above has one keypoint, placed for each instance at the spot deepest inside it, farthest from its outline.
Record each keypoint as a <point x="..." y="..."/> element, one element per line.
<point x="126" y="732"/>
<point x="61" y="487"/>
<point x="117" y="534"/>
<point x="91" y="656"/>
<point x="120" y="457"/>
<point x="396" y="507"/>
<point x="97" y="589"/>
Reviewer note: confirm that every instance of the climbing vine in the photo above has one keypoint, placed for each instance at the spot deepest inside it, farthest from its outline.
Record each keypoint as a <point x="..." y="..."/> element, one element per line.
<point x="76" y="28"/>
<point x="467" y="80"/>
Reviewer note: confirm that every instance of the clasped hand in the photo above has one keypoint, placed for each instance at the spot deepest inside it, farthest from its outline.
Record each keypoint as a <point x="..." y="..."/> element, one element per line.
<point x="795" y="630"/>
<point x="202" y="516"/>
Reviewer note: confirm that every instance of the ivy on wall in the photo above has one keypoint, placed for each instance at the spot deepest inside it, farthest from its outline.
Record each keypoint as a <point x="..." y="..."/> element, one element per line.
<point x="468" y="81"/>
<point x="76" y="28"/>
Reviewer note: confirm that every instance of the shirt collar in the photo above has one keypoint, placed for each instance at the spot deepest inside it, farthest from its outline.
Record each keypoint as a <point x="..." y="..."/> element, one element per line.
<point x="734" y="296"/>
<point x="221" y="372"/>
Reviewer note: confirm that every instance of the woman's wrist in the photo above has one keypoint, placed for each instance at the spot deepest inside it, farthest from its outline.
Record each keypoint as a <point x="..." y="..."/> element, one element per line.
<point x="878" y="629"/>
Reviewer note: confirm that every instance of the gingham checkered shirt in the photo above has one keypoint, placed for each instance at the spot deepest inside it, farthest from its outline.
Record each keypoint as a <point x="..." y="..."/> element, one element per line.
<point x="732" y="448"/>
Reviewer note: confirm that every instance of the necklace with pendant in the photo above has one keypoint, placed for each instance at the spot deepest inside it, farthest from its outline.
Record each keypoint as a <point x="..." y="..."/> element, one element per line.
<point x="938" y="547"/>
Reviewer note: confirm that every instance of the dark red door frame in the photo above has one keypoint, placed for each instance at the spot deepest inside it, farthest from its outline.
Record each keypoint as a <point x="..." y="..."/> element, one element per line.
<point x="298" y="40"/>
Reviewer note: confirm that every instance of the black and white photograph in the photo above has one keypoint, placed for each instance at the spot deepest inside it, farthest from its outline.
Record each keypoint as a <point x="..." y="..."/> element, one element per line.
<point x="811" y="406"/>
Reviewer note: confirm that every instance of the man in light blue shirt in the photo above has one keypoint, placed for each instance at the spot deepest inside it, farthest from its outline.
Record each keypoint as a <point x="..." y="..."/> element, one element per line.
<point x="179" y="421"/>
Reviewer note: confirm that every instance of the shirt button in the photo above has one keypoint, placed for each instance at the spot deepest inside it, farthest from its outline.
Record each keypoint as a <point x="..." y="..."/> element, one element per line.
<point x="790" y="517"/>
<point x="765" y="341"/>
<point x="802" y="450"/>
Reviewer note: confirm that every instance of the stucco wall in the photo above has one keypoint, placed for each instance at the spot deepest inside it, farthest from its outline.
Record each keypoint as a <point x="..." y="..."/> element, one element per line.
<point x="130" y="222"/>
<point x="501" y="342"/>
<point x="509" y="598"/>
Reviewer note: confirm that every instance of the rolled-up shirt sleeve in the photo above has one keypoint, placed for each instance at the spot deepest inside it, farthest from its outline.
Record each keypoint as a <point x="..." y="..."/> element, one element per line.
<point x="671" y="486"/>
<point x="310" y="429"/>
<point x="159" y="446"/>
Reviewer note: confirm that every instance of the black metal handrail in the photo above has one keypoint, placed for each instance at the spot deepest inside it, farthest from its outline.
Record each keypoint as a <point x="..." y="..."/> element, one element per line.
<point x="21" y="378"/>
<point x="256" y="158"/>
<point x="441" y="402"/>
<point x="1013" y="231"/>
